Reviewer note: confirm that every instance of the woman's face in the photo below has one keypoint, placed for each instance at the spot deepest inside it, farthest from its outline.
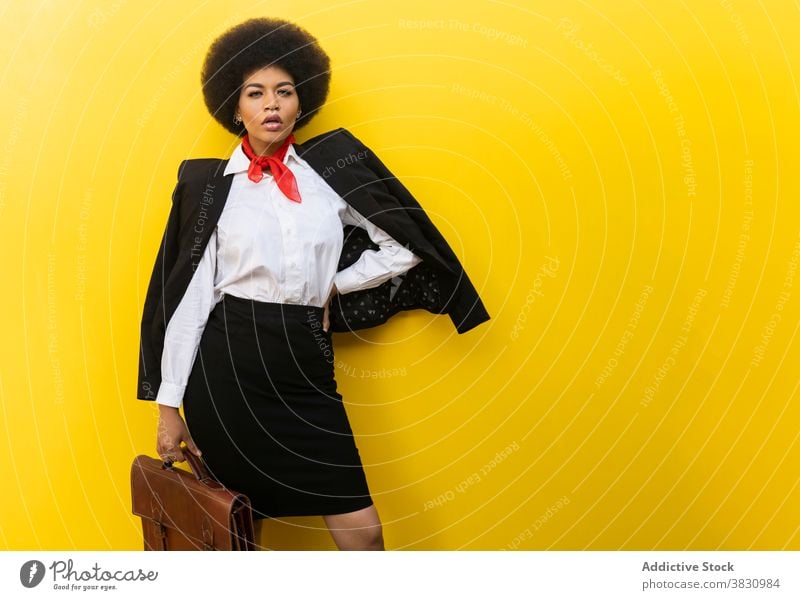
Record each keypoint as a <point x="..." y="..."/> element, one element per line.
<point x="268" y="106"/>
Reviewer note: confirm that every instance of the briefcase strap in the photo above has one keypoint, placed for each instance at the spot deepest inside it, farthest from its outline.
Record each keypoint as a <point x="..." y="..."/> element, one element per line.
<point x="198" y="466"/>
<point x="158" y="513"/>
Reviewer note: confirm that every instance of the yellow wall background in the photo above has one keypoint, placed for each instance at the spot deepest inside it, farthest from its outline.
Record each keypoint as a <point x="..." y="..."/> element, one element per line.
<point x="619" y="178"/>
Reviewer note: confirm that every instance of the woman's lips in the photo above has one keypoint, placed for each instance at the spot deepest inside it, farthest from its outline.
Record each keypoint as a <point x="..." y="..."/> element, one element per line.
<point x="272" y="123"/>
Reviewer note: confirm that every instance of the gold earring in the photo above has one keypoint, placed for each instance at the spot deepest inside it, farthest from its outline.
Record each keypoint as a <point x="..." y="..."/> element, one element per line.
<point x="237" y="119"/>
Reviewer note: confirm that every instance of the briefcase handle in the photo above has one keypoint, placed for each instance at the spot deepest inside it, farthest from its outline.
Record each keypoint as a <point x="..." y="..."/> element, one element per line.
<point x="196" y="464"/>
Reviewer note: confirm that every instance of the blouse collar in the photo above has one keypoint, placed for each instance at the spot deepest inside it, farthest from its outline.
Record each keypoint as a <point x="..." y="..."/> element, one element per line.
<point x="239" y="162"/>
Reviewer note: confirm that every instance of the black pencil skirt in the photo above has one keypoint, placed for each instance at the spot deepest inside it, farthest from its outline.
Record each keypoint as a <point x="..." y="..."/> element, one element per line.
<point x="261" y="404"/>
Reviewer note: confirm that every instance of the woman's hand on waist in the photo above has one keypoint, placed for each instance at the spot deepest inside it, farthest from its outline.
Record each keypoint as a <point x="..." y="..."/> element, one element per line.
<point x="326" y="323"/>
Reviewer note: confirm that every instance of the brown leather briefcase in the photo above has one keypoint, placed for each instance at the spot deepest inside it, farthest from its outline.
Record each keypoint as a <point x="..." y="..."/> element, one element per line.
<point x="188" y="511"/>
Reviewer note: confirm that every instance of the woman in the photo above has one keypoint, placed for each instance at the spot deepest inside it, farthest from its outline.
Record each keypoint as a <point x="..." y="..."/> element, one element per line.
<point x="264" y="254"/>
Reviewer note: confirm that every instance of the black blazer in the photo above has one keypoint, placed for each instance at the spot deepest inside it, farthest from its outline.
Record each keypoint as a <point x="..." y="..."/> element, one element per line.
<point x="437" y="284"/>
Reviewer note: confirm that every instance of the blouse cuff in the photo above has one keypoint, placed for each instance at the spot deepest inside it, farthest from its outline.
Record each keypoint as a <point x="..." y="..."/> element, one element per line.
<point x="170" y="394"/>
<point x="346" y="280"/>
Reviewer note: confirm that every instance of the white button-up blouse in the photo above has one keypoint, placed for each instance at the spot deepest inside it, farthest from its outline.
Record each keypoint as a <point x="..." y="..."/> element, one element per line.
<point x="268" y="248"/>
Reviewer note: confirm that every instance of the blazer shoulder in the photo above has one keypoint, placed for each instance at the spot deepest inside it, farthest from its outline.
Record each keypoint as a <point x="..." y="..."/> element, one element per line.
<point x="335" y="137"/>
<point x="195" y="167"/>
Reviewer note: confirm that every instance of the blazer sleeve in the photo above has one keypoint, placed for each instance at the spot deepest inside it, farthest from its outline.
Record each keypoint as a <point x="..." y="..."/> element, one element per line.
<point x="154" y="311"/>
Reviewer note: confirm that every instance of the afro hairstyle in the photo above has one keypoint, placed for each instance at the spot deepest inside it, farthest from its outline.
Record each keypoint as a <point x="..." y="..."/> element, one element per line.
<point x="258" y="43"/>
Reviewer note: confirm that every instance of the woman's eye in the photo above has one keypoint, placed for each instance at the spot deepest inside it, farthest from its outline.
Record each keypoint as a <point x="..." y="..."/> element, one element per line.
<point x="253" y="94"/>
<point x="285" y="92"/>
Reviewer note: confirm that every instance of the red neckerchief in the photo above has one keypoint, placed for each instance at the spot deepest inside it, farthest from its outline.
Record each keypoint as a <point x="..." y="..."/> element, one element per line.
<point x="282" y="174"/>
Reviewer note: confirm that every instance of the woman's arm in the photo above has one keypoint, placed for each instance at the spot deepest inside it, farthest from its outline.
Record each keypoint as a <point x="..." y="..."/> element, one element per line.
<point x="181" y="342"/>
<point x="373" y="267"/>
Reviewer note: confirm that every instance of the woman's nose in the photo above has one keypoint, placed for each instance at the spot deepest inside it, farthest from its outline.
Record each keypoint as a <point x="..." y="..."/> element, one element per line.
<point x="271" y="102"/>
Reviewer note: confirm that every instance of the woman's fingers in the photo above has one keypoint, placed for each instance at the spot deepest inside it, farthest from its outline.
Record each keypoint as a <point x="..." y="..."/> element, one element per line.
<point x="170" y="452"/>
<point x="192" y="446"/>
